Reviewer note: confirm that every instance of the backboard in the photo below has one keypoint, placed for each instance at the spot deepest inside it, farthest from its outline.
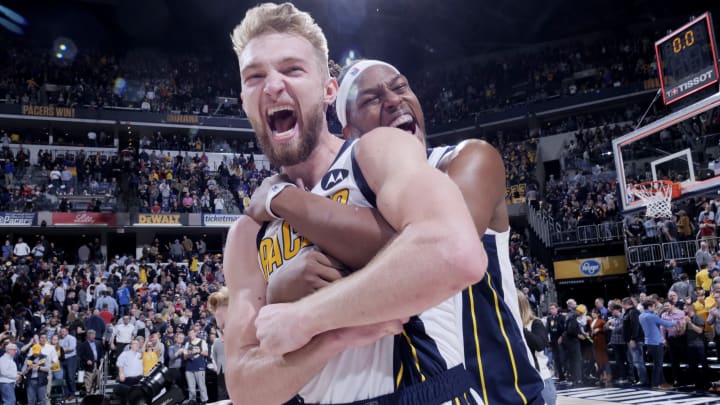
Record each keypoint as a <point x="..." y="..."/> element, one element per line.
<point x="683" y="147"/>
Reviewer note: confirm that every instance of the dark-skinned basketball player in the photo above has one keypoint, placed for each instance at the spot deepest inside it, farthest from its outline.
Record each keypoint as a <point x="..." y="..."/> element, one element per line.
<point x="374" y="94"/>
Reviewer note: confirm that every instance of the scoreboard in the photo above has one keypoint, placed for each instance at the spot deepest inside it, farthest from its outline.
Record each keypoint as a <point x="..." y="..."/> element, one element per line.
<point x="687" y="59"/>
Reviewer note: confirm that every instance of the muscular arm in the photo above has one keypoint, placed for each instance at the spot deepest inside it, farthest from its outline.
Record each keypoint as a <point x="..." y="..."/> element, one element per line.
<point x="436" y="253"/>
<point x="478" y="170"/>
<point x="254" y="377"/>
<point x="351" y="234"/>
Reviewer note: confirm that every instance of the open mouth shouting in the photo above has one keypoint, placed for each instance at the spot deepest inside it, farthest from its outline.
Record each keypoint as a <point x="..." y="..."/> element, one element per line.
<point x="405" y="122"/>
<point x="283" y="122"/>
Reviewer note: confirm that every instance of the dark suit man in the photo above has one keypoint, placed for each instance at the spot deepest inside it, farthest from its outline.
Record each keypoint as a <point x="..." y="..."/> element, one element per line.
<point x="91" y="354"/>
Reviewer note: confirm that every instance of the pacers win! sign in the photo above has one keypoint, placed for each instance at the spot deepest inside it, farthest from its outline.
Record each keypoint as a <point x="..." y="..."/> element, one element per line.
<point x="590" y="267"/>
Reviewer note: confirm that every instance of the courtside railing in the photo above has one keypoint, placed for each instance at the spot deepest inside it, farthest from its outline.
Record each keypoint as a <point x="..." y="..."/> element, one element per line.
<point x="652" y="253"/>
<point x="587" y="234"/>
<point x="553" y="235"/>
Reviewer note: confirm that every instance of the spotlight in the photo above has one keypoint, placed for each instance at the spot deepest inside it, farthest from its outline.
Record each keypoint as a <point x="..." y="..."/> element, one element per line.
<point x="64" y="50"/>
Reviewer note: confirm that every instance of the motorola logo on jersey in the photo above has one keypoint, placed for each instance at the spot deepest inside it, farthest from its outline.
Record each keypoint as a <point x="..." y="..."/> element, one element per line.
<point x="333" y="178"/>
<point x="590" y="267"/>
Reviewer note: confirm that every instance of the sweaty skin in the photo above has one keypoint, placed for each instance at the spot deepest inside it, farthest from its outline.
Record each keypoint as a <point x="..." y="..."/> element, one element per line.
<point x="434" y="233"/>
<point x="353" y="235"/>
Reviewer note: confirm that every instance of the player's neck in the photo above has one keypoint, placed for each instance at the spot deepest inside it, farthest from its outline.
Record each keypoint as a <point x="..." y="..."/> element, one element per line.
<point x="315" y="166"/>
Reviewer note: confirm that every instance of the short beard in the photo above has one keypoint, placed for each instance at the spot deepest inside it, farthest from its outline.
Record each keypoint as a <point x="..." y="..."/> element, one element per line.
<point x="292" y="154"/>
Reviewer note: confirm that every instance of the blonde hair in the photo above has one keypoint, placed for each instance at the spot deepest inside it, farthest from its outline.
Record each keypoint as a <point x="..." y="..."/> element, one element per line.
<point x="526" y="313"/>
<point x="285" y="18"/>
<point x="218" y="299"/>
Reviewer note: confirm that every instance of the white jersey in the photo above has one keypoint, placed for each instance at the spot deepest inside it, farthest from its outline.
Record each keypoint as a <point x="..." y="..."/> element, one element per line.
<point x="495" y="350"/>
<point x="431" y="342"/>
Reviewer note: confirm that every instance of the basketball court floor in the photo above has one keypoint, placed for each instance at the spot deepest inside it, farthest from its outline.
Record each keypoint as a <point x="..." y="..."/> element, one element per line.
<point x="631" y="396"/>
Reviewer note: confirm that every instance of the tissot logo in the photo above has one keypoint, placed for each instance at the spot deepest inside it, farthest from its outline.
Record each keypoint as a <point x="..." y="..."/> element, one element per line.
<point x="333" y="177"/>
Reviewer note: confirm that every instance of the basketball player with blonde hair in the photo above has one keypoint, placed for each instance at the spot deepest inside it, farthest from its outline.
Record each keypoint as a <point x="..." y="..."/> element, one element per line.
<point x="335" y="346"/>
<point x="374" y="93"/>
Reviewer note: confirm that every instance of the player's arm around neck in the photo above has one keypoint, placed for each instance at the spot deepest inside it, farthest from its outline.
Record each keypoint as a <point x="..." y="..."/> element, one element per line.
<point x="436" y="253"/>
<point x="254" y="377"/>
<point x="351" y="234"/>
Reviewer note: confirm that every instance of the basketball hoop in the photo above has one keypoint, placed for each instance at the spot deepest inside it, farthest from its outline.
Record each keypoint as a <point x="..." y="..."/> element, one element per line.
<point x="656" y="195"/>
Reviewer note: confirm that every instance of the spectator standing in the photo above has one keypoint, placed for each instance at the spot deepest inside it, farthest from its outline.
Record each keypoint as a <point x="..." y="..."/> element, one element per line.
<point x="176" y="251"/>
<point x="674" y="337"/>
<point x="694" y="325"/>
<point x="635" y="340"/>
<point x="56" y="370"/>
<point x="684" y="226"/>
<point x="556" y="327"/>
<point x="675" y="270"/>
<point x="70" y="365"/>
<point x="36" y="369"/>
<point x="219" y="204"/>
<point x="702" y="257"/>
<point x="38" y="251"/>
<point x="106" y="315"/>
<point x="175" y="357"/>
<point x="92" y="138"/>
<point x="703" y="279"/>
<point x="90" y="354"/>
<point x="21" y="249"/>
<point x="9" y="374"/>
<point x="571" y="344"/>
<point x="9" y="171"/>
<point x="83" y="253"/>
<point x="218" y="306"/>
<point x="682" y="288"/>
<point x="614" y="324"/>
<point x="651" y="324"/>
<point x="713" y="318"/>
<point x="597" y="332"/>
<point x="51" y="354"/>
<point x="150" y="357"/>
<point x="536" y="337"/>
<point x="124" y="333"/>
<point x="7" y="250"/>
<point x="187" y="245"/>
<point x="59" y="296"/>
<point x="96" y="323"/>
<point x="195" y="354"/>
<point x="130" y="370"/>
<point x="123" y="298"/>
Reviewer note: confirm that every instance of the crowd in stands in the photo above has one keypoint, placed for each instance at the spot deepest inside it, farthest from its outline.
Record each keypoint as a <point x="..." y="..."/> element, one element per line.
<point x="452" y="94"/>
<point x="192" y="84"/>
<point x="53" y="312"/>
<point x="641" y="332"/>
<point x="140" y="79"/>
<point x="183" y="182"/>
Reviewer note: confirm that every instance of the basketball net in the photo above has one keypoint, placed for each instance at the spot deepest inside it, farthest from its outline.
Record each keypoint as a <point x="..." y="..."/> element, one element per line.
<point x="656" y="196"/>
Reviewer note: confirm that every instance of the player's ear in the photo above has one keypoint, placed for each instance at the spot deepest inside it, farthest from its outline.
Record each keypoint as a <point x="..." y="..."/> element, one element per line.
<point x="331" y="90"/>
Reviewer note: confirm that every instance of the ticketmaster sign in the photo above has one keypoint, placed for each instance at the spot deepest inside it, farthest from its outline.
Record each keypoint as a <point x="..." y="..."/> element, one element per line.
<point x="219" y="219"/>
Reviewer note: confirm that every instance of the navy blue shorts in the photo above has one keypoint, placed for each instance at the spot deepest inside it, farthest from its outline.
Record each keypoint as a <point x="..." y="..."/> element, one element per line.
<point x="452" y="385"/>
